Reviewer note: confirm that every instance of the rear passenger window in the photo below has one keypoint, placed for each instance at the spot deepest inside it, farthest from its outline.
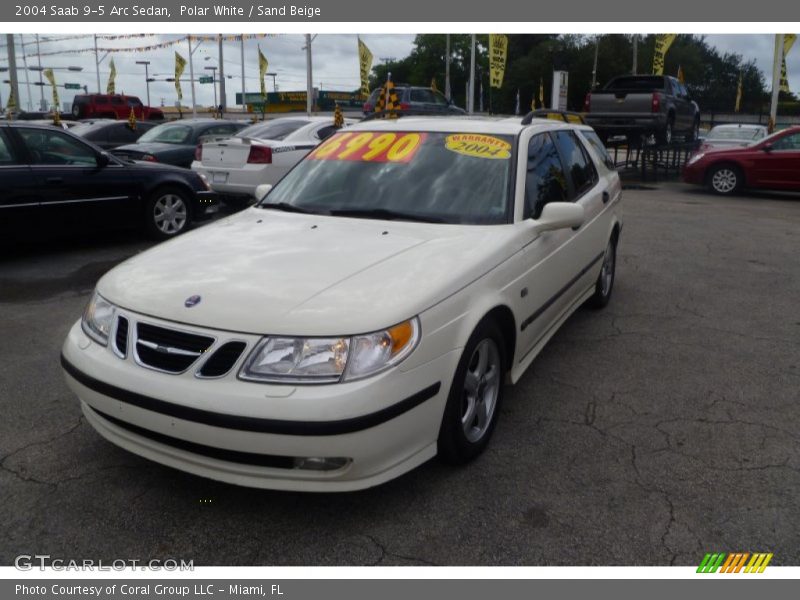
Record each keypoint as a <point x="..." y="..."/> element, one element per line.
<point x="545" y="181"/>
<point x="578" y="164"/>
<point x="425" y="96"/>
<point x="6" y="158"/>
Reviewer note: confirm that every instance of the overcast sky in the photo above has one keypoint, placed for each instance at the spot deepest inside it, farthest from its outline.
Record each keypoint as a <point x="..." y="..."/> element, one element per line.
<point x="335" y="62"/>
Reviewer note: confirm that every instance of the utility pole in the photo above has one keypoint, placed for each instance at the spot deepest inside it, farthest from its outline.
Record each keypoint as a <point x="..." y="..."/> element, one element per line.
<point x="191" y="73"/>
<point x="447" y="67"/>
<point x="41" y="84"/>
<point x="244" y="87"/>
<point x="97" y="65"/>
<point x="471" y="99"/>
<point x="635" y="69"/>
<point x="146" y="64"/>
<point x="25" y="65"/>
<point x="594" y="68"/>
<point x="12" y="67"/>
<point x="222" y="100"/>
<point x="309" y="84"/>
<point x="776" y="81"/>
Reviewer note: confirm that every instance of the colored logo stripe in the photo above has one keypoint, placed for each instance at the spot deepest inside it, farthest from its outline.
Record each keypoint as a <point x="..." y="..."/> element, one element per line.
<point x="734" y="562"/>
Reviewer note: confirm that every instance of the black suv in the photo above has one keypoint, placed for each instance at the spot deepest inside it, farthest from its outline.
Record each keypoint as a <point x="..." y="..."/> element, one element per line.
<point x="423" y="99"/>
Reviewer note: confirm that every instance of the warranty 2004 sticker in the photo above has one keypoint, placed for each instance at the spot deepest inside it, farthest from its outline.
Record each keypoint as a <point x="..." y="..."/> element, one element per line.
<point x="477" y="145"/>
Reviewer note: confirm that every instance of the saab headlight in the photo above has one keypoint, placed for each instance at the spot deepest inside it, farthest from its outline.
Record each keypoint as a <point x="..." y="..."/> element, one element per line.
<point x="98" y="318"/>
<point x="282" y="359"/>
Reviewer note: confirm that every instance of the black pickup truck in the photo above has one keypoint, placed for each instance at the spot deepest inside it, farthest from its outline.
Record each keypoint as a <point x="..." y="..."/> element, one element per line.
<point x="636" y="105"/>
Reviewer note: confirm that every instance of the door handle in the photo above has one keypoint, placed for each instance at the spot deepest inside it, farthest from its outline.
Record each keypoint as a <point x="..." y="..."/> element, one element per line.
<point x="606" y="196"/>
<point x="54" y="180"/>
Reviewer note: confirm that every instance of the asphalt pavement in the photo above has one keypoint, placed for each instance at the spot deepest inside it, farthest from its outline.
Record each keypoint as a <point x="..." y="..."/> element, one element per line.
<point x="648" y="433"/>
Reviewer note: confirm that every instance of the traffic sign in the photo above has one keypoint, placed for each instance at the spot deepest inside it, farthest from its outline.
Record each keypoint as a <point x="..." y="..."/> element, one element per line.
<point x="205" y="79"/>
<point x="72" y="86"/>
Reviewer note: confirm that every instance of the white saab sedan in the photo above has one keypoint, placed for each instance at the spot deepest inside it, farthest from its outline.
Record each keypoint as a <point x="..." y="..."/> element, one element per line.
<point x="364" y="316"/>
<point x="259" y="154"/>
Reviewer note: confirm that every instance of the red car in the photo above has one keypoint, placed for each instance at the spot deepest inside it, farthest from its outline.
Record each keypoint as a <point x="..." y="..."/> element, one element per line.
<point x="112" y="106"/>
<point x="773" y="163"/>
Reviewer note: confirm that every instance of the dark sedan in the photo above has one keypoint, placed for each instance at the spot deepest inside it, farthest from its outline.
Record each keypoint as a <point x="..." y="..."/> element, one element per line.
<point x="53" y="181"/>
<point x="109" y="134"/>
<point x="174" y="143"/>
<point x="773" y="163"/>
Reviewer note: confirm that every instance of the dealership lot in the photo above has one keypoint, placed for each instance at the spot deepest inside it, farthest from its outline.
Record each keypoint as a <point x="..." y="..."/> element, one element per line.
<point x="648" y="433"/>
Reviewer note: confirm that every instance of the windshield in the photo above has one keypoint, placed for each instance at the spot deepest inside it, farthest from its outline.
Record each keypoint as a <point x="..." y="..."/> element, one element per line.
<point x="168" y="134"/>
<point x="274" y="130"/>
<point x="442" y="177"/>
<point x="737" y="133"/>
<point x="82" y="129"/>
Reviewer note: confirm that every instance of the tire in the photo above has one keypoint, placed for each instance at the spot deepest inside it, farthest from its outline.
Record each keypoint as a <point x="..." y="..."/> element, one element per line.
<point x="168" y="213"/>
<point x="694" y="134"/>
<point x="666" y="135"/>
<point x="724" y="179"/>
<point x="76" y="111"/>
<point x="605" y="280"/>
<point x="470" y="418"/>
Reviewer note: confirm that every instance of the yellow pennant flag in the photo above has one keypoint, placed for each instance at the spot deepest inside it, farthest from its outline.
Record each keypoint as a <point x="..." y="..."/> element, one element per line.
<point x="263" y="65"/>
<point x="681" y="76"/>
<point x="180" y="65"/>
<point x="48" y="74"/>
<point x="788" y="41"/>
<point x="111" y="88"/>
<point x="663" y="42"/>
<point x="541" y="93"/>
<point x="11" y="105"/>
<point x="338" y="117"/>
<point x="434" y="87"/>
<point x="132" y="120"/>
<point x="364" y="65"/>
<point x="498" y="51"/>
<point x="738" y="105"/>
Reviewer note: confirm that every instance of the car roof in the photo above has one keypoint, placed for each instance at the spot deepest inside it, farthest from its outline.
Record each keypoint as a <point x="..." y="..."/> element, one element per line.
<point x="739" y="126"/>
<point x="464" y="124"/>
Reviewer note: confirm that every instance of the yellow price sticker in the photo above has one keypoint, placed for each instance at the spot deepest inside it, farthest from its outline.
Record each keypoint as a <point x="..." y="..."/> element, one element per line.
<point x="478" y="146"/>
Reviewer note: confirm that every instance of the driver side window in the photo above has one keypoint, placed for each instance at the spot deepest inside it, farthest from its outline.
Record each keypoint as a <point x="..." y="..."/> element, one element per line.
<point x="48" y="147"/>
<point x="545" y="181"/>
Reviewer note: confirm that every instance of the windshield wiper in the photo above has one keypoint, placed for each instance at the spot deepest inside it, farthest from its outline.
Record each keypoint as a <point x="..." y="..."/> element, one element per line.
<point x="286" y="207"/>
<point x="383" y="214"/>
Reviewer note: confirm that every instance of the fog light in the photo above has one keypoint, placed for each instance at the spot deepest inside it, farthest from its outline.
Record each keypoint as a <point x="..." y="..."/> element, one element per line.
<point x="321" y="464"/>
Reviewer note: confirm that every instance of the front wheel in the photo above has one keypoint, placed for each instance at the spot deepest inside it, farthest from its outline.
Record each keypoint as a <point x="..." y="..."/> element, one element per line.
<point x="724" y="179"/>
<point x="168" y="213"/>
<point x="605" y="281"/>
<point x="475" y="396"/>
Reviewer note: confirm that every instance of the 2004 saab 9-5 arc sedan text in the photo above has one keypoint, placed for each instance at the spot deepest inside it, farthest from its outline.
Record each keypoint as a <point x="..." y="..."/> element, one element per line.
<point x="364" y="315"/>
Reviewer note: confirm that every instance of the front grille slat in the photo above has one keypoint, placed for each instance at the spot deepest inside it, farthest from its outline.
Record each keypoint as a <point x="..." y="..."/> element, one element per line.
<point x="121" y="338"/>
<point x="222" y="360"/>
<point x="174" y="352"/>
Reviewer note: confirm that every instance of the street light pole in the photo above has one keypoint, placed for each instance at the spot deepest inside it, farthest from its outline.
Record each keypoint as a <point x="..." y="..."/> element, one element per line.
<point x="146" y="64"/>
<point x="222" y="100"/>
<point x="309" y="84"/>
<point x="471" y="99"/>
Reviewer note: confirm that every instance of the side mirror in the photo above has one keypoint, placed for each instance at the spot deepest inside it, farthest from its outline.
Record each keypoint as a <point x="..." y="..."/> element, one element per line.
<point x="103" y="159"/>
<point x="560" y="215"/>
<point x="767" y="147"/>
<point x="262" y="191"/>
